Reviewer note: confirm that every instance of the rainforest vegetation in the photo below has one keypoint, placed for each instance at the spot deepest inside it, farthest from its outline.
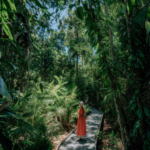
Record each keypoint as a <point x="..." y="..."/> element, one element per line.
<point x="99" y="53"/>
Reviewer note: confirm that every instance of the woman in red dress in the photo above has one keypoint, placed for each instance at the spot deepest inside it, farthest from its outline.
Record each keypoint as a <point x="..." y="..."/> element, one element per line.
<point x="81" y="125"/>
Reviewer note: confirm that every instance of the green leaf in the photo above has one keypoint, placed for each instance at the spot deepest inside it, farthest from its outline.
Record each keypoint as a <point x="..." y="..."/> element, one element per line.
<point x="130" y="5"/>
<point x="9" y="63"/>
<point x="88" y="22"/>
<point x="132" y="2"/>
<point x="147" y="26"/>
<point x="57" y="10"/>
<point x="79" y="13"/>
<point x="136" y="91"/>
<point x="105" y="72"/>
<point x="11" y="114"/>
<point x="140" y="53"/>
<point x="148" y="9"/>
<point x="136" y="65"/>
<point x="136" y="126"/>
<point x="123" y="8"/>
<point x="140" y="62"/>
<point x="85" y="6"/>
<point x="3" y="89"/>
<point x="148" y="12"/>
<point x="72" y="5"/>
<point x="108" y="2"/>
<point x="146" y="111"/>
<point x="71" y="43"/>
<point x="109" y="23"/>
<point x="4" y="17"/>
<point x="134" y="97"/>
<point x="94" y="26"/>
<point x="11" y="6"/>
<point x="145" y="146"/>
<point x="133" y="107"/>
<point x="6" y="29"/>
<point x="116" y="93"/>
<point x="36" y="2"/>
<point x="139" y="112"/>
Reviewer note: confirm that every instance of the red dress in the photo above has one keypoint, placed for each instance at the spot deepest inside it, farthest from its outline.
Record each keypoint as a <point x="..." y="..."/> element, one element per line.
<point x="81" y="125"/>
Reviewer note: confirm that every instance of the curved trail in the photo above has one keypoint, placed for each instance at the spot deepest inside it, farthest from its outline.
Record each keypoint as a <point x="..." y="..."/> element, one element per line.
<point x="93" y="123"/>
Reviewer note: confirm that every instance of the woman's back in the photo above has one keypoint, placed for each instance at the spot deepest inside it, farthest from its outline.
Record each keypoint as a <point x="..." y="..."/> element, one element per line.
<point x="81" y="111"/>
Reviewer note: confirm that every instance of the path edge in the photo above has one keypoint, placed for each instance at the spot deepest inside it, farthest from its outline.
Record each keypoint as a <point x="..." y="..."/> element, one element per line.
<point x="70" y="134"/>
<point x="100" y="127"/>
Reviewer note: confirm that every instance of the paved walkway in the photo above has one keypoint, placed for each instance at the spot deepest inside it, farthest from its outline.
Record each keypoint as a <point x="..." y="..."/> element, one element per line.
<point x="92" y="126"/>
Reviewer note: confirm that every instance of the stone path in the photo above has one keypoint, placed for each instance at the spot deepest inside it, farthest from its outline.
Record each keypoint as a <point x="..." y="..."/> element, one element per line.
<point x="93" y="123"/>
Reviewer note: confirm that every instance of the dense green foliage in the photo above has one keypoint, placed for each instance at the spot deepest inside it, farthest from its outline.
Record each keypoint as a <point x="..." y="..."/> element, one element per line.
<point x="99" y="54"/>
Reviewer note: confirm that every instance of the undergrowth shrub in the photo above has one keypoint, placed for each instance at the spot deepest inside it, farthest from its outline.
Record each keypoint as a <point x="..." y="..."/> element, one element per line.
<point x="40" y="143"/>
<point x="45" y="110"/>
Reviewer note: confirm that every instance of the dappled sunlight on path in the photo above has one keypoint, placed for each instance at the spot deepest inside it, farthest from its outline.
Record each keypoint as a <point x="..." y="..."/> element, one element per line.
<point x="92" y="126"/>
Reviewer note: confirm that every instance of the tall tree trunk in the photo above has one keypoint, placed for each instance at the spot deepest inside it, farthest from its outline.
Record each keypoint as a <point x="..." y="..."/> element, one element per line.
<point x="21" y="84"/>
<point x="112" y="54"/>
<point x="110" y="32"/>
<point x="127" y="22"/>
<point x="129" y="140"/>
<point x="135" y="70"/>
<point x="1" y="29"/>
<point x="77" y="57"/>
<point x="45" y="71"/>
<point x="29" y="58"/>
<point x="116" y="96"/>
<point x="118" y="109"/>
<point x="77" y="65"/>
<point x="28" y="62"/>
<point x="82" y="67"/>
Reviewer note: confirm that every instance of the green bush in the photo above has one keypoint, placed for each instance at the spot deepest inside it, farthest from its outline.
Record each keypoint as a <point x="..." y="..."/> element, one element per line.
<point x="40" y="143"/>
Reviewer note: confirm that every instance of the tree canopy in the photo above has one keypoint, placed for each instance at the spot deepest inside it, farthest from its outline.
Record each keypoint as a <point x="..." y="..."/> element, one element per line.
<point x="99" y="53"/>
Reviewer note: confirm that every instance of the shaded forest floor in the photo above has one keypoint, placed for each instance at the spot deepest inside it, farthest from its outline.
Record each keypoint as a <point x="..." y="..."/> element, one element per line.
<point x="110" y="142"/>
<point x="65" y="132"/>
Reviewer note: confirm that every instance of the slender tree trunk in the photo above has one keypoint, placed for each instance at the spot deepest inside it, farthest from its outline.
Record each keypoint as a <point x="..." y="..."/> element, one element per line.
<point x="23" y="73"/>
<point x="45" y="73"/>
<point x="110" y="32"/>
<point x="21" y="85"/>
<point x="29" y="58"/>
<point x="127" y="22"/>
<point x="77" y="65"/>
<point x="116" y="96"/>
<point x="77" y="57"/>
<point x="28" y="61"/>
<point x="118" y="110"/>
<point x="1" y="29"/>
<point x="133" y="68"/>
<point x="129" y="140"/>
<point x="45" y="67"/>
<point x="82" y="67"/>
<point x="112" y="55"/>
